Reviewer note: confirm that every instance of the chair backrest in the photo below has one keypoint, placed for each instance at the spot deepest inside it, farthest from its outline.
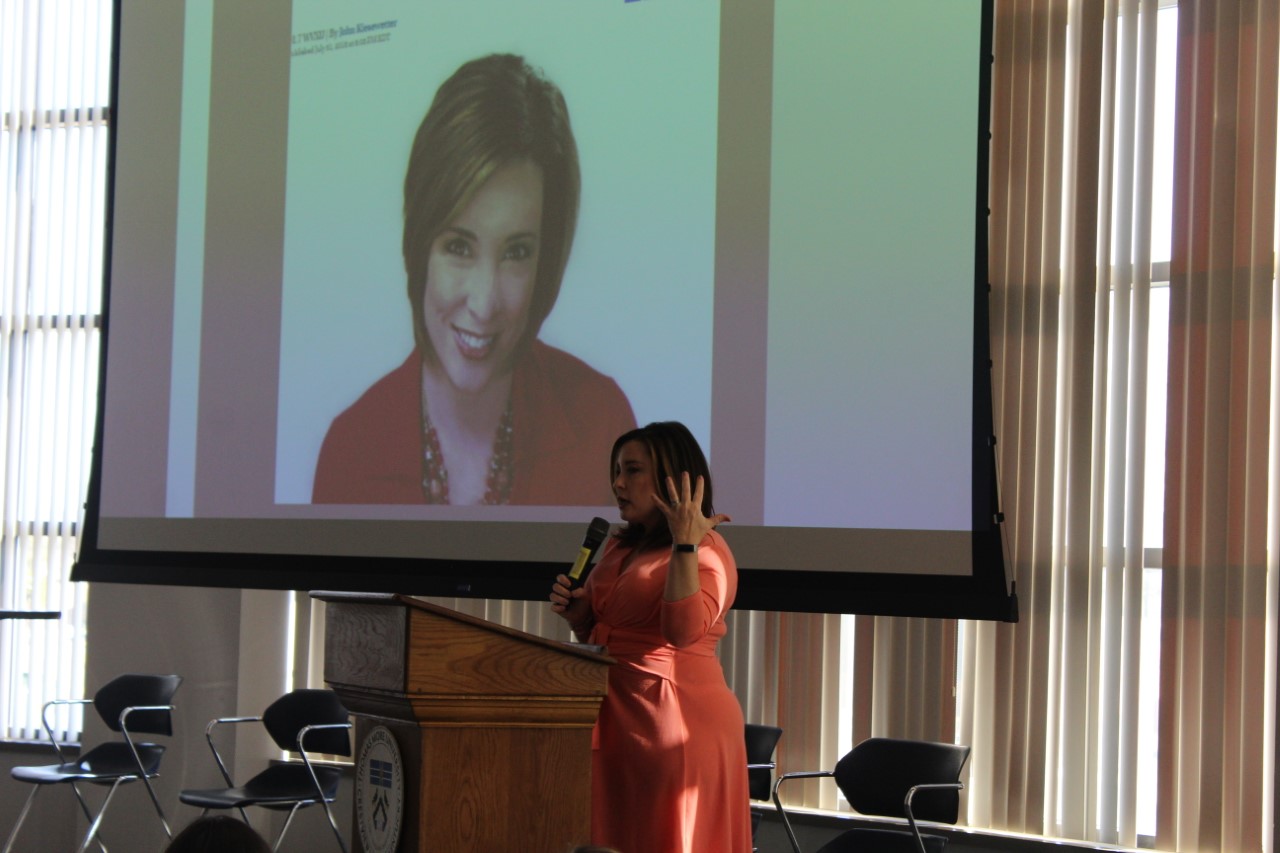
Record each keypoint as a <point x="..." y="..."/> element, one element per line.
<point x="128" y="691"/>
<point x="308" y="707"/>
<point x="761" y="742"/>
<point x="876" y="774"/>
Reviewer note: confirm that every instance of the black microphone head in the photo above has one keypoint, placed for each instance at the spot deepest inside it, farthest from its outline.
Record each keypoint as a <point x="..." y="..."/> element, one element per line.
<point x="597" y="530"/>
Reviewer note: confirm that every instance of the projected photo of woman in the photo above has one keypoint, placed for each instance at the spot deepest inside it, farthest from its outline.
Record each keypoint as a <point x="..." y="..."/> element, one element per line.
<point x="482" y="411"/>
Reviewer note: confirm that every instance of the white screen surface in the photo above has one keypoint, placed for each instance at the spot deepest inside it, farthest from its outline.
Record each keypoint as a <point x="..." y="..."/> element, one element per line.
<point x="775" y="246"/>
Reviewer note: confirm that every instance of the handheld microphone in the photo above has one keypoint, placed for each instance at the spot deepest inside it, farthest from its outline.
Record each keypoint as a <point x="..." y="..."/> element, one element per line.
<point x="596" y="533"/>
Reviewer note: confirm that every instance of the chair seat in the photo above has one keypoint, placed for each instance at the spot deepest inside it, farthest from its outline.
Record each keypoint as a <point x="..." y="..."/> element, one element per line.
<point x="102" y="765"/>
<point x="281" y="785"/>
<point x="882" y="841"/>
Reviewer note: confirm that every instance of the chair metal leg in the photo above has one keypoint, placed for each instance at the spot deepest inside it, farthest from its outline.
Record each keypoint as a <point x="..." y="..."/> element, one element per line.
<point x="88" y="813"/>
<point x="279" y="838"/>
<point x="84" y="804"/>
<point x="93" y="828"/>
<point x="777" y="804"/>
<point x="26" y="807"/>
<point x="155" y="801"/>
<point x="334" y="824"/>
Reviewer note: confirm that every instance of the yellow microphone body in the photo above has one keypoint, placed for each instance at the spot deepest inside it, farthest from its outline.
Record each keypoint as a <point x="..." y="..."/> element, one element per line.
<point x="584" y="557"/>
<point x="597" y="531"/>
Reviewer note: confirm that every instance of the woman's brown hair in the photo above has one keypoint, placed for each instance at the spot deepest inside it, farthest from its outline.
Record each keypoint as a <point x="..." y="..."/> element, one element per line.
<point x="672" y="450"/>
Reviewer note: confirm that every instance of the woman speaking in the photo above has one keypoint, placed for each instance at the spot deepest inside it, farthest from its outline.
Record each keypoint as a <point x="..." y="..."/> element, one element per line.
<point x="669" y="764"/>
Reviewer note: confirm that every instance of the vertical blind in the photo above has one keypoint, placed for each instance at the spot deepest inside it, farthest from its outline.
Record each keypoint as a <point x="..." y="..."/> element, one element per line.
<point x="1057" y="701"/>
<point x="54" y="67"/>
<point x="1220" y="506"/>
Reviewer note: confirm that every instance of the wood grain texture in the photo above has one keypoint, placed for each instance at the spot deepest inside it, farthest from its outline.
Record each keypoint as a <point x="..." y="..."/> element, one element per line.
<point x="365" y="645"/>
<point x="494" y="724"/>
<point x="500" y="790"/>
<point x="515" y="711"/>
<point x="447" y="656"/>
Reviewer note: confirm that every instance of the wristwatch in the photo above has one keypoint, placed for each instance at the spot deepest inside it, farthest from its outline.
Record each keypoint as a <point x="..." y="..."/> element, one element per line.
<point x="683" y="548"/>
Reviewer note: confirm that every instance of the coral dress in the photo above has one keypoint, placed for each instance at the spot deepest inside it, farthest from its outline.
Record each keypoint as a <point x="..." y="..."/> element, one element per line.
<point x="669" y="767"/>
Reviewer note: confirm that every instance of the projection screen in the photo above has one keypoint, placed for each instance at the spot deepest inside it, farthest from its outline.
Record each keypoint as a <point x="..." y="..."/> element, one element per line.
<point x="780" y="241"/>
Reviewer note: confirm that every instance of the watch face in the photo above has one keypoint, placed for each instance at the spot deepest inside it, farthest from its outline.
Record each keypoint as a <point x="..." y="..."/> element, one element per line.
<point x="379" y="792"/>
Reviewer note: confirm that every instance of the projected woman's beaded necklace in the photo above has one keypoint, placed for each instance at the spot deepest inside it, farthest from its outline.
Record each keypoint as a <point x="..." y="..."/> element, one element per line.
<point x="435" y="476"/>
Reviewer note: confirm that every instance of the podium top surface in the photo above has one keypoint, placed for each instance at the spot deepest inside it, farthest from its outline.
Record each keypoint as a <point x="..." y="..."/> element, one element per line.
<point x="593" y="653"/>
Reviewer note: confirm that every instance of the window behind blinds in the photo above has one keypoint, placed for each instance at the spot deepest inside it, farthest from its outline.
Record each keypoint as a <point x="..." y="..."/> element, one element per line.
<point x="54" y="92"/>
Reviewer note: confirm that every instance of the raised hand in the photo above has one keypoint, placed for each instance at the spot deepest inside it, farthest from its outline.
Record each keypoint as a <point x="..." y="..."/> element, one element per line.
<point x="683" y="511"/>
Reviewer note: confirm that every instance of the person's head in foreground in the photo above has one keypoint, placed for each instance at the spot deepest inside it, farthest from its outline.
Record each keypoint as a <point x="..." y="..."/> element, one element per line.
<point x="218" y="834"/>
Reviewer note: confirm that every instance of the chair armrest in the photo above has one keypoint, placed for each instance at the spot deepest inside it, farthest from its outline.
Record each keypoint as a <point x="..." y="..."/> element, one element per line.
<point x="124" y="714"/>
<point x="769" y="766"/>
<point x="53" y="702"/>
<point x="911" y="792"/>
<point x="777" y="801"/>
<point x="44" y="719"/>
<point x="208" y="736"/>
<point x="306" y="730"/>
<point x="933" y="786"/>
<point x="306" y="760"/>
<point x="128" y="738"/>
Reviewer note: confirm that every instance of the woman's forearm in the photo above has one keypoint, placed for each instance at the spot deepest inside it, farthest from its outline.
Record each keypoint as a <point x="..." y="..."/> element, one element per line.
<point x="682" y="576"/>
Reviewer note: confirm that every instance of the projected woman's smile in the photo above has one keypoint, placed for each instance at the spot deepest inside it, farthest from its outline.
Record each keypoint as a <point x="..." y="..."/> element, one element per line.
<point x="480" y="280"/>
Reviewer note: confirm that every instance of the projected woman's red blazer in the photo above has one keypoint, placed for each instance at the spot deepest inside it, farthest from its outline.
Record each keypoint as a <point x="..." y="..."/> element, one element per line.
<point x="565" y="417"/>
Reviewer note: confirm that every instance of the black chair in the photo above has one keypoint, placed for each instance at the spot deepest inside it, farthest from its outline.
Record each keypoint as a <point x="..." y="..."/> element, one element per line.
<point x="302" y="721"/>
<point x="885" y="777"/>
<point x="131" y="705"/>
<point x="761" y="742"/>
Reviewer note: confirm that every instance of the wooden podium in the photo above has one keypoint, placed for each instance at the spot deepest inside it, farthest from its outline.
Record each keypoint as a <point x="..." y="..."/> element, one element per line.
<point x="493" y="724"/>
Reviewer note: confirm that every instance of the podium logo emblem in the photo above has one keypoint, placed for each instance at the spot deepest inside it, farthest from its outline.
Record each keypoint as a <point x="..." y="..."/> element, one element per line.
<point x="379" y="792"/>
